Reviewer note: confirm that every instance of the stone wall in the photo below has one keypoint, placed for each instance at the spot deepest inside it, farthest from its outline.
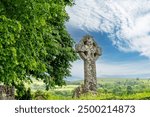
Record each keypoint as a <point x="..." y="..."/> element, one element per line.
<point x="7" y="92"/>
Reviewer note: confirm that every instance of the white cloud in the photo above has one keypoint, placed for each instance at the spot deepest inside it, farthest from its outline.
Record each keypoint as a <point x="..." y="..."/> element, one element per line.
<point x="126" y="21"/>
<point x="124" y="69"/>
<point x="114" y="69"/>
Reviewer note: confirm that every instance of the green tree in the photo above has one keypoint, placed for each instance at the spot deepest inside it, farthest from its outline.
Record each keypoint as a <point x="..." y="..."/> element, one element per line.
<point x="129" y="90"/>
<point x="117" y="90"/>
<point x="34" y="42"/>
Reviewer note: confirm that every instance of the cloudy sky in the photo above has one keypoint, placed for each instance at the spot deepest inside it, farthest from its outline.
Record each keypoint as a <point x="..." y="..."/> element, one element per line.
<point x="121" y="28"/>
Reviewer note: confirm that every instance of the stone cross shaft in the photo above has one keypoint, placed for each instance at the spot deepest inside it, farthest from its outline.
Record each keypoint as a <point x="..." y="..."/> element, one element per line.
<point x="89" y="52"/>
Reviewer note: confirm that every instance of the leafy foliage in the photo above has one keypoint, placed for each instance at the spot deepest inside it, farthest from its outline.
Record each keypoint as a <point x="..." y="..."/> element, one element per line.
<point x="34" y="42"/>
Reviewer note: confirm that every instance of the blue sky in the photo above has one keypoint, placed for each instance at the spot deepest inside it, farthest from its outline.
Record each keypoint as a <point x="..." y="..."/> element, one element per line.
<point x="122" y="31"/>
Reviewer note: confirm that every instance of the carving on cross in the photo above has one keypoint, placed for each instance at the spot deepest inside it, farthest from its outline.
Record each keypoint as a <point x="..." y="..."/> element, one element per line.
<point x="88" y="49"/>
<point x="89" y="52"/>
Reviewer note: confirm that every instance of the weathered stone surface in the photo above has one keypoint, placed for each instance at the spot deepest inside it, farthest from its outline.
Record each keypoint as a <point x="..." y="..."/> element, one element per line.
<point x="7" y="92"/>
<point x="89" y="52"/>
<point x="78" y="91"/>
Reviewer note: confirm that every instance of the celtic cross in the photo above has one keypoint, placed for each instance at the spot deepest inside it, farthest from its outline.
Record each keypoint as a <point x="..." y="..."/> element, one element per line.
<point x="89" y="52"/>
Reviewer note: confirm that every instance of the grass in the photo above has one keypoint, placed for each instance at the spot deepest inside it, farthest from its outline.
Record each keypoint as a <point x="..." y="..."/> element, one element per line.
<point x="108" y="89"/>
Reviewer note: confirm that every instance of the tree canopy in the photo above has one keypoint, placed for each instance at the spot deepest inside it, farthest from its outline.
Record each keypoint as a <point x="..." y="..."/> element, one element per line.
<point x="34" y="42"/>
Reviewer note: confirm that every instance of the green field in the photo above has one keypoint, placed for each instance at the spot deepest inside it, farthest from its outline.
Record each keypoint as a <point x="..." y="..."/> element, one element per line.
<point x="108" y="88"/>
